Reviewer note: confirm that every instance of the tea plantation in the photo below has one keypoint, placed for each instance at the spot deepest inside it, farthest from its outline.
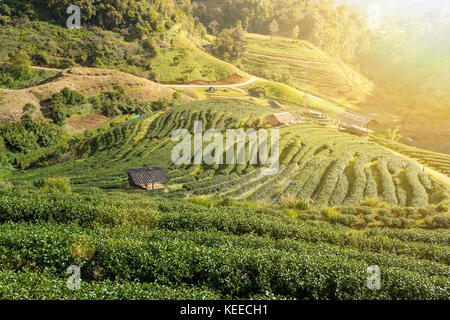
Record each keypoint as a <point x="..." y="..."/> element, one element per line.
<point x="338" y="205"/>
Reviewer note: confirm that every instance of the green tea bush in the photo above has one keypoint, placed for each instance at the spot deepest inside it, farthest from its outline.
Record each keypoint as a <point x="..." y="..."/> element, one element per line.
<point x="50" y="207"/>
<point x="252" y="267"/>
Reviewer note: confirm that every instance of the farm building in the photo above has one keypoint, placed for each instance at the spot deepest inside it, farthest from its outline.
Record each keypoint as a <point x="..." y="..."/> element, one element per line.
<point x="258" y="92"/>
<point x="316" y="114"/>
<point x="275" y="104"/>
<point x="278" y="119"/>
<point x="147" y="178"/>
<point x="356" y="122"/>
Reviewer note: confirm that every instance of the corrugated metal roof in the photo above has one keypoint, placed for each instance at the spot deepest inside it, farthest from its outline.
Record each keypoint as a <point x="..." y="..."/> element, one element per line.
<point x="275" y="104"/>
<point x="144" y="176"/>
<point x="282" y="118"/>
<point x="355" y="118"/>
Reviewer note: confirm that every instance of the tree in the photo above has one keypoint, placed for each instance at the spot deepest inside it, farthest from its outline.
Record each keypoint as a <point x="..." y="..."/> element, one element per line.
<point x="213" y="25"/>
<point x="273" y="28"/>
<point x="295" y="32"/>
<point x="20" y="64"/>
<point x="393" y="134"/>
<point x="239" y="40"/>
<point x="230" y="43"/>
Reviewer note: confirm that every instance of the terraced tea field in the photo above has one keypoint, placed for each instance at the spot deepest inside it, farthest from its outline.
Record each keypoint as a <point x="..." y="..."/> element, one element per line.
<point x="304" y="66"/>
<point x="316" y="162"/>
<point x="435" y="160"/>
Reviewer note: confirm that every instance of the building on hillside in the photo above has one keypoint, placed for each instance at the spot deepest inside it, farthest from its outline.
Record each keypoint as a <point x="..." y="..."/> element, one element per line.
<point x="316" y="114"/>
<point x="275" y="104"/>
<point x="278" y="119"/>
<point x="147" y="178"/>
<point x="356" y="123"/>
<point x="258" y="92"/>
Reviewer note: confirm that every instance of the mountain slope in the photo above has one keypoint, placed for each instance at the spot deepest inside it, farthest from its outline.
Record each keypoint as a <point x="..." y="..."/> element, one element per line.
<point x="88" y="81"/>
<point x="317" y="162"/>
<point x="303" y="66"/>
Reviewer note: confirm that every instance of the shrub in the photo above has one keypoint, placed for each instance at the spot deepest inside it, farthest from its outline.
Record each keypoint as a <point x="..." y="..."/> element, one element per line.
<point x="382" y="212"/>
<point x="426" y="212"/>
<point x="57" y="184"/>
<point x="5" y="185"/>
<point x="369" y="218"/>
<point x="372" y="202"/>
<point x="441" y="208"/>
<point x="227" y="202"/>
<point x="438" y="221"/>
<point x="292" y="213"/>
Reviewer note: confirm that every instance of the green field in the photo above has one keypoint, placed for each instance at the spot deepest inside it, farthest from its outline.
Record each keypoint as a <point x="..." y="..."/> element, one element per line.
<point x="301" y="65"/>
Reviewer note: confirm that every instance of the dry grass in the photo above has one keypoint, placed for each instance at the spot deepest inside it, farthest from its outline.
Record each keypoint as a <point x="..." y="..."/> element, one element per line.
<point x="88" y="81"/>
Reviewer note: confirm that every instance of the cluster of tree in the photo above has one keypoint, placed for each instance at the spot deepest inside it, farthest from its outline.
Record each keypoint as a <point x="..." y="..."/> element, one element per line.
<point x="17" y="71"/>
<point x="114" y="103"/>
<point x="61" y="102"/>
<point x="138" y="18"/>
<point x="109" y="103"/>
<point x="230" y="43"/>
<point x="338" y="30"/>
<point x="28" y="135"/>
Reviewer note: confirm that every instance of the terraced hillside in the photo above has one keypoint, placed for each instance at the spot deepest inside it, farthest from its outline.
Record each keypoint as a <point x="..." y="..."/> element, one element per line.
<point x="316" y="162"/>
<point x="303" y="66"/>
<point x="435" y="160"/>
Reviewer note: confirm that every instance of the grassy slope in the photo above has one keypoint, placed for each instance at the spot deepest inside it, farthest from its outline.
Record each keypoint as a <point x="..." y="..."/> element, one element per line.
<point x="309" y="68"/>
<point x="196" y="64"/>
<point x="88" y="81"/>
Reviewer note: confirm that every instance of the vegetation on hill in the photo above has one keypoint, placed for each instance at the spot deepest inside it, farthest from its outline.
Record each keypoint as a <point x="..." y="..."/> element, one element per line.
<point x="303" y="66"/>
<point x="338" y="203"/>
<point x="215" y="252"/>
<point x="337" y="30"/>
<point x="316" y="162"/>
<point x="135" y="19"/>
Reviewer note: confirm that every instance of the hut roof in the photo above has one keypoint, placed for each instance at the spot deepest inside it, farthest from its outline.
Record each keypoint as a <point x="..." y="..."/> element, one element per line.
<point x="354" y="118"/>
<point x="275" y="104"/>
<point x="282" y="118"/>
<point x="144" y="176"/>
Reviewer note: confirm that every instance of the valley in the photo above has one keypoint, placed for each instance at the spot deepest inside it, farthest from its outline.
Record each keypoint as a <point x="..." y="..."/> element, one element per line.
<point x="90" y="119"/>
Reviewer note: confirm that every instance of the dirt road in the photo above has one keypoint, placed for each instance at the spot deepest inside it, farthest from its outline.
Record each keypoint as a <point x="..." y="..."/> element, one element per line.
<point x="234" y="85"/>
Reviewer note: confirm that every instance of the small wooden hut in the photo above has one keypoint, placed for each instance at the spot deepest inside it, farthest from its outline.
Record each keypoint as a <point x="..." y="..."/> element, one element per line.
<point x="147" y="178"/>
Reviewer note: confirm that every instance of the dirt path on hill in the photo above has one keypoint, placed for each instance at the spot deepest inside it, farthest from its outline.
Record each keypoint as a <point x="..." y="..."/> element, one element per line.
<point x="234" y="85"/>
<point x="49" y="69"/>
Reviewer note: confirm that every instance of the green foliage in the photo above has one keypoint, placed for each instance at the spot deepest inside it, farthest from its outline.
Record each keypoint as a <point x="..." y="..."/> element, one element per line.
<point x="339" y="30"/>
<point x="28" y="135"/>
<point x="57" y="184"/>
<point x="20" y="64"/>
<point x="141" y="18"/>
<point x="230" y="43"/>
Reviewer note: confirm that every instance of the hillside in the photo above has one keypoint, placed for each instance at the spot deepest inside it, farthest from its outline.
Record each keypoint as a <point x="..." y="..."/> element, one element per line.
<point x="303" y="66"/>
<point x="88" y="81"/>
<point x="136" y="165"/>
<point x="316" y="162"/>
